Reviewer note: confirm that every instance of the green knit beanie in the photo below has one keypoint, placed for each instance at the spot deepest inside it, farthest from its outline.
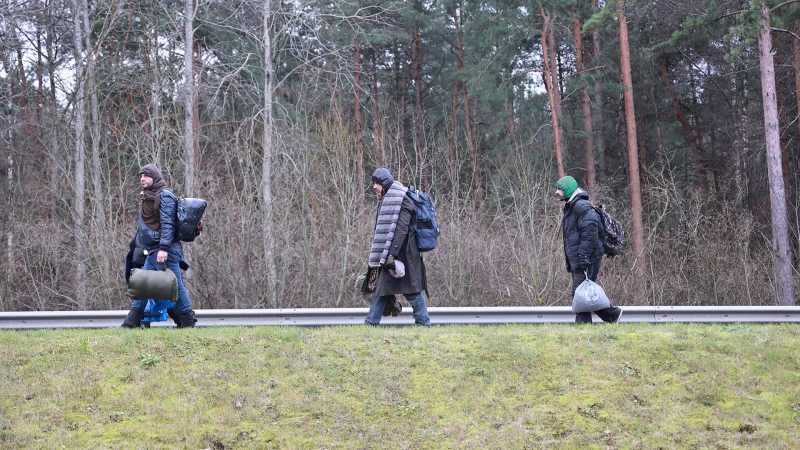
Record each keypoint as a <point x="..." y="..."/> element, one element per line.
<point x="568" y="186"/>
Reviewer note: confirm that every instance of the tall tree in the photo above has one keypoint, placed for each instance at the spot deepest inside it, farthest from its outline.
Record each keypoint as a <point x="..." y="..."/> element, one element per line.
<point x="419" y="107"/>
<point x="552" y="84"/>
<point x="586" y="105"/>
<point x="266" y="166"/>
<point x="599" y="95"/>
<point x="784" y="281"/>
<point x="190" y="97"/>
<point x="633" y="154"/>
<point x="461" y="88"/>
<point x="358" y="117"/>
<point x="79" y="158"/>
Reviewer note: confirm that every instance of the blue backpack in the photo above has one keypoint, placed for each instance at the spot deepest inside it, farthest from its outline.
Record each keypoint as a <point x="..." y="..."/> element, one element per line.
<point x="425" y="226"/>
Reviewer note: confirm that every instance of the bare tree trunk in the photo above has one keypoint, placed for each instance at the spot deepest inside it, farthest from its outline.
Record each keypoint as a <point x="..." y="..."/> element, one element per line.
<point x="512" y="120"/>
<point x="471" y="144"/>
<point x="780" y="90"/>
<point x="266" y="171"/>
<point x="599" y="95"/>
<point x="715" y="160"/>
<point x="416" y="72"/>
<point x="586" y="103"/>
<point x="190" y="94"/>
<point x="94" y="126"/>
<point x="359" y="120"/>
<point x="80" y="162"/>
<point x="687" y="129"/>
<point x="54" y="146"/>
<point x="796" y="60"/>
<point x="452" y="168"/>
<point x="552" y="86"/>
<point x="378" y="144"/>
<point x="633" y="157"/>
<point x="784" y="282"/>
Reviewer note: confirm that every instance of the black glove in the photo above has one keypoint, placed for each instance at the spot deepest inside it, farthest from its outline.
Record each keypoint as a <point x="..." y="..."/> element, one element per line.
<point x="583" y="262"/>
<point x="389" y="264"/>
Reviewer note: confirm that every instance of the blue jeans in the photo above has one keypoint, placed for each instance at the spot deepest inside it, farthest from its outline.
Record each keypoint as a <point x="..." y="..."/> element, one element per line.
<point x="417" y="302"/>
<point x="174" y="255"/>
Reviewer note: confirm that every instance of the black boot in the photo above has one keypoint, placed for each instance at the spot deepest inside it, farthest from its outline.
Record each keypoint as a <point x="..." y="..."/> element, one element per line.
<point x="134" y="319"/>
<point x="186" y="319"/>
<point x="173" y="314"/>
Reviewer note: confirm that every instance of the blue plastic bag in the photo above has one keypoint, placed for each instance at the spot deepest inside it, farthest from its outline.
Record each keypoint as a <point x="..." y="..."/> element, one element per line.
<point x="156" y="310"/>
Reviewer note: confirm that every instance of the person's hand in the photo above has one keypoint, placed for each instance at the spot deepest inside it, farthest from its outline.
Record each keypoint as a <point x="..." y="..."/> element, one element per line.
<point x="389" y="264"/>
<point x="583" y="262"/>
<point x="162" y="256"/>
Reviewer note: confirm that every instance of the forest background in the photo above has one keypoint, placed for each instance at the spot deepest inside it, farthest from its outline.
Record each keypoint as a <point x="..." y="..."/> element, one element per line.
<point x="680" y="116"/>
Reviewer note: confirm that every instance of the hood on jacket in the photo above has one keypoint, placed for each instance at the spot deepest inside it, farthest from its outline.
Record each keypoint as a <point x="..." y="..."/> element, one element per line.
<point x="384" y="178"/>
<point x="151" y="171"/>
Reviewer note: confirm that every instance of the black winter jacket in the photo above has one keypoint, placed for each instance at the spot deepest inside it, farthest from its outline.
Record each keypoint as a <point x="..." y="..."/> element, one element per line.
<point x="167" y="215"/>
<point x="582" y="231"/>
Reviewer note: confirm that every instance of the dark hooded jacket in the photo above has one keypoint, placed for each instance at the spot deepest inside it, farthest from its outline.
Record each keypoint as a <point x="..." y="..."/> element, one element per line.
<point x="168" y="216"/>
<point x="403" y="248"/>
<point x="582" y="231"/>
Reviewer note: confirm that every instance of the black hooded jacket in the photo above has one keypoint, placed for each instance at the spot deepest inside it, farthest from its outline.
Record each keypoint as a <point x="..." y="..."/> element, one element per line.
<point x="582" y="231"/>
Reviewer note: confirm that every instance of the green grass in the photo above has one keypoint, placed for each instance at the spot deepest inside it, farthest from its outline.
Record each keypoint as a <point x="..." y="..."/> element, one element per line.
<point x="629" y="386"/>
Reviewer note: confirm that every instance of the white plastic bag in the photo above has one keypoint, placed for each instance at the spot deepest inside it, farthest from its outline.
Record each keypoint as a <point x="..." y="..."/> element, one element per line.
<point x="589" y="297"/>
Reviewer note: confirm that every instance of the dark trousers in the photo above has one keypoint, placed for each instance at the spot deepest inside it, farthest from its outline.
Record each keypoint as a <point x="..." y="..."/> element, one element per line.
<point x="609" y="314"/>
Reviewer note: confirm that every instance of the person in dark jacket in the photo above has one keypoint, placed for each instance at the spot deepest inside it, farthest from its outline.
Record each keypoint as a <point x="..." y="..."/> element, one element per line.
<point x="394" y="251"/>
<point x="156" y="236"/>
<point x="583" y="243"/>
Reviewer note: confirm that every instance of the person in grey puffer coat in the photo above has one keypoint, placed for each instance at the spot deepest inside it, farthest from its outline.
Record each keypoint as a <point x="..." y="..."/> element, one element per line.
<point x="394" y="250"/>
<point x="156" y="235"/>
<point x="583" y="244"/>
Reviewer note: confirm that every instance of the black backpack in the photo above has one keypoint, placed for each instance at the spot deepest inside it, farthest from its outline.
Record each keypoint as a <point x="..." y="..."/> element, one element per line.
<point x="190" y="214"/>
<point x="425" y="226"/>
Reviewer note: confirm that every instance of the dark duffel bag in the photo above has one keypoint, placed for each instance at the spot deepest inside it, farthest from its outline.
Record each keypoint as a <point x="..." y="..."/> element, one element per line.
<point x="153" y="284"/>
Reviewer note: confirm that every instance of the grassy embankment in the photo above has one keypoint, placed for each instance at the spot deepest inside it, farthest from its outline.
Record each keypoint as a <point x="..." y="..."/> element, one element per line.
<point x="629" y="386"/>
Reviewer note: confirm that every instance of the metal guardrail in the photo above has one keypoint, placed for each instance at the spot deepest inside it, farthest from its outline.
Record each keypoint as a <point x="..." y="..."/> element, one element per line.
<point x="439" y="316"/>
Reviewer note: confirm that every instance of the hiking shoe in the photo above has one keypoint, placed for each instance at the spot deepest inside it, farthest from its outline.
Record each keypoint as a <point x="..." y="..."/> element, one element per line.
<point x="618" y="317"/>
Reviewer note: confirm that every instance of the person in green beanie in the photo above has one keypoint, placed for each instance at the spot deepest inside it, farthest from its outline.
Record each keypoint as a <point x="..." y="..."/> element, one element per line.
<point x="583" y="243"/>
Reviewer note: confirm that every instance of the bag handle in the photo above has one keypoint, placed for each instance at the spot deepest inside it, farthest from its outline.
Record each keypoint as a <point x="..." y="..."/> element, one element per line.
<point x="148" y="253"/>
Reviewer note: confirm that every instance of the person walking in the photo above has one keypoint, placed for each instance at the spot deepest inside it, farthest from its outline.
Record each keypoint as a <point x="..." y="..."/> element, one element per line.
<point x="394" y="251"/>
<point x="583" y="243"/>
<point x="157" y="235"/>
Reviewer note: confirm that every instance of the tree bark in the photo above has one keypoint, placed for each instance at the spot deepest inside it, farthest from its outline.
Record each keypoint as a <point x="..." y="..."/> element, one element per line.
<point x="419" y="122"/>
<point x="378" y="144"/>
<point x="80" y="162"/>
<point x="599" y="95"/>
<point x="780" y="91"/>
<point x="266" y="167"/>
<point x="359" y="120"/>
<point x="471" y="143"/>
<point x="633" y="157"/>
<point x="550" y="76"/>
<point x="796" y="60"/>
<point x="586" y="104"/>
<point x="701" y="158"/>
<point x="98" y="203"/>
<point x="190" y="97"/>
<point x="784" y="283"/>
